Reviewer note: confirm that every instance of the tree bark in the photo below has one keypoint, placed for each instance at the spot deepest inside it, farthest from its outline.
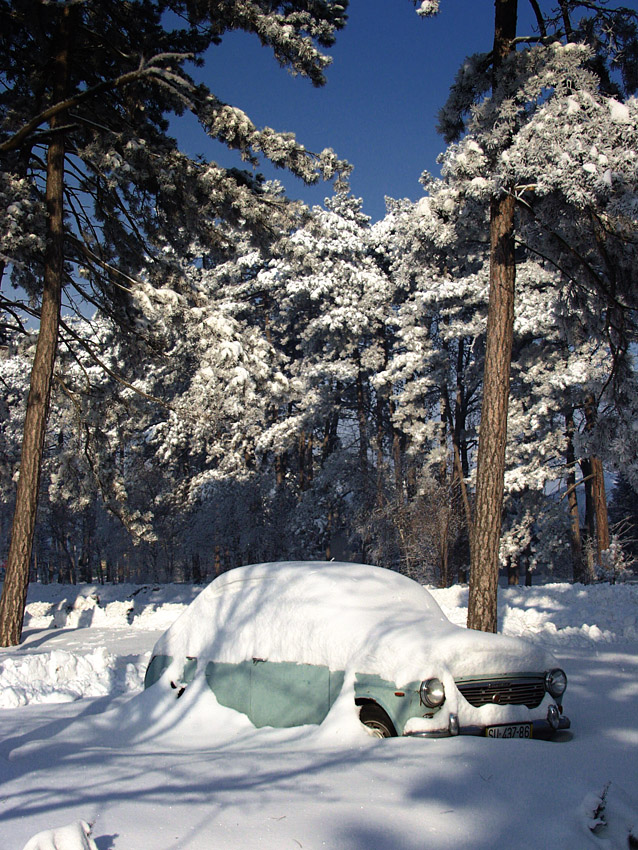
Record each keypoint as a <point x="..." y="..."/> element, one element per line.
<point x="578" y="565"/>
<point x="363" y="421"/>
<point x="460" y="413"/>
<point x="460" y="473"/>
<point x="305" y="460"/>
<point x="590" y="517"/>
<point x="16" y="582"/>
<point x="486" y="532"/>
<point x="600" y="507"/>
<point x="598" y="494"/>
<point x="3" y="336"/>
<point x="446" y="414"/>
<point x="513" y="570"/>
<point x="331" y="428"/>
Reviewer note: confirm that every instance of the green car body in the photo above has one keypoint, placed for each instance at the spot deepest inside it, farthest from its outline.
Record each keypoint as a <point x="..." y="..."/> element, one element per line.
<point x="284" y="693"/>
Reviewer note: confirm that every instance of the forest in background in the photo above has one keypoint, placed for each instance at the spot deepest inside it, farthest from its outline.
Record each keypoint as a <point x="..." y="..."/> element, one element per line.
<point x="249" y="380"/>
<point x="321" y="399"/>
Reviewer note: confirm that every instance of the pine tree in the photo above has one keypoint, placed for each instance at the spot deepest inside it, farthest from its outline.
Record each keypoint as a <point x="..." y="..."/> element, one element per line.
<point x="500" y="119"/>
<point x="86" y="90"/>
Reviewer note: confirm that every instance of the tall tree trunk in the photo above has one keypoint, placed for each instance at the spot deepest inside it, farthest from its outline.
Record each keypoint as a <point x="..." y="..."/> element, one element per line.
<point x="309" y="473"/>
<point x="279" y="459"/>
<point x="331" y="428"/>
<point x="482" y="607"/>
<point x="16" y="582"/>
<point x="460" y="473"/>
<point x="528" y="572"/>
<point x="460" y="412"/>
<point x="2" y="328"/>
<point x="88" y="536"/>
<point x="445" y="515"/>
<point x="446" y="415"/>
<point x="397" y="461"/>
<point x="301" y="462"/>
<point x="380" y="407"/>
<point x="513" y="570"/>
<point x="362" y="420"/>
<point x="590" y="517"/>
<point x="598" y="494"/>
<point x="578" y="565"/>
<point x="382" y="466"/>
<point x="600" y="507"/>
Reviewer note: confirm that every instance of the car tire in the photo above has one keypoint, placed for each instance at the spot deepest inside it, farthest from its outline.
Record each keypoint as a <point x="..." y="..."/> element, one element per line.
<point x="376" y="721"/>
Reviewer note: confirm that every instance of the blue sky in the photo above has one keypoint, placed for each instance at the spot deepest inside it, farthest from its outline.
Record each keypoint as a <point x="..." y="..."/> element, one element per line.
<point x="390" y="75"/>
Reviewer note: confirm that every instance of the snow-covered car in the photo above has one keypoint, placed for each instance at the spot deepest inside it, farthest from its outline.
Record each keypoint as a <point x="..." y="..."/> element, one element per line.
<point x="281" y="642"/>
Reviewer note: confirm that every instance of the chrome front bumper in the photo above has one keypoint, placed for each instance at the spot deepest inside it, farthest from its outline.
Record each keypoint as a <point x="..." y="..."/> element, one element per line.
<point x="542" y="729"/>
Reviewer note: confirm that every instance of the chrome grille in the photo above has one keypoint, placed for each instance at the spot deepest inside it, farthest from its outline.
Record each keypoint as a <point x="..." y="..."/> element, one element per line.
<point x="511" y="690"/>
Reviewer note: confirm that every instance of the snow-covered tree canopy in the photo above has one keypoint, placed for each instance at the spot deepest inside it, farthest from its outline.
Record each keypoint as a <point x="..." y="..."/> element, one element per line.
<point x="545" y="122"/>
<point x="556" y="128"/>
<point x="130" y="194"/>
<point x="610" y="31"/>
<point x="316" y="376"/>
<point x="567" y="152"/>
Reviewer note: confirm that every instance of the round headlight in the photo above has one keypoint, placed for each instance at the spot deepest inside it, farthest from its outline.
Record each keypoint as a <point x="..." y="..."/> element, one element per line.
<point x="556" y="682"/>
<point x="432" y="692"/>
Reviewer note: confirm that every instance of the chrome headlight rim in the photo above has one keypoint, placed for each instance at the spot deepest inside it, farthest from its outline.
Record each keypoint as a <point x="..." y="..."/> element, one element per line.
<point x="556" y="682"/>
<point x="432" y="692"/>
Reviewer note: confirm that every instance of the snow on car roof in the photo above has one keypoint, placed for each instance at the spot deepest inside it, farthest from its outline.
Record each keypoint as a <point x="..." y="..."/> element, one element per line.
<point x="342" y="615"/>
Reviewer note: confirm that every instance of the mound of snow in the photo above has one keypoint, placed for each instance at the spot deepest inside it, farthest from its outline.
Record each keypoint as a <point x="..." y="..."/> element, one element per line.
<point x="158" y="617"/>
<point x="151" y="608"/>
<point x="80" y="611"/>
<point x="75" y="836"/>
<point x="60" y="676"/>
<point x="557" y="614"/>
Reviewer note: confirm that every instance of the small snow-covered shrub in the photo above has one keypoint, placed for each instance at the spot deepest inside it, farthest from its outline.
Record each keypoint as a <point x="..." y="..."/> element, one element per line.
<point x="616" y="564"/>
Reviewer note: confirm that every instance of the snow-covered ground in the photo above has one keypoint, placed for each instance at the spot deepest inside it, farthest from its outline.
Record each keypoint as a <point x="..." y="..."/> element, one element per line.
<point x="79" y="742"/>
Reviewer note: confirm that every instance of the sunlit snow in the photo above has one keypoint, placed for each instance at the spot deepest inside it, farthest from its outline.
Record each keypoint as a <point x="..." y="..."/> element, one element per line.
<point x="191" y="774"/>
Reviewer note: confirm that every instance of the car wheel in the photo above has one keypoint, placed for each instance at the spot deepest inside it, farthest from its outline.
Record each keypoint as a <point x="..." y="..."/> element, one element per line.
<point x="376" y="721"/>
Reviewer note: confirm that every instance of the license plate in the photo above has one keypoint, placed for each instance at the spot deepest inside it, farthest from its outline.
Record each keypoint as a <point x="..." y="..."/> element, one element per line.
<point x="511" y="730"/>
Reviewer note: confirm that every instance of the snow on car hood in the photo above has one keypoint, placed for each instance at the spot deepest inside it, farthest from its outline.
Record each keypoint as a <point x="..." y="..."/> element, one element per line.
<point x="342" y="615"/>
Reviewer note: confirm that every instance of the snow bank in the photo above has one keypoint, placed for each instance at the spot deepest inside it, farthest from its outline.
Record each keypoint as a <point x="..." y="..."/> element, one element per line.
<point x="109" y="606"/>
<point x="61" y="676"/>
<point x="216" y="781"/>
<point x="558" y="615"/>
<point x="103" y="613"/>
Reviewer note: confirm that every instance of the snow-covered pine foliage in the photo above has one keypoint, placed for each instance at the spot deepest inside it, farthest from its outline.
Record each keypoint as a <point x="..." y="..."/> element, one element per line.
<point x="320" y="384"/>
<point x="312" y="314"/>
<point x="548" y="130"/>
<point x="138" y="211"/>
<point x="264" y="383"/>
<point x="130" y="192"/>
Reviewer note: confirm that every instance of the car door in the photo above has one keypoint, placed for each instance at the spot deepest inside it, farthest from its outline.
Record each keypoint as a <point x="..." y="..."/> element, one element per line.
<point x="284" y="693"/>
<point x="275" y="693"/>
